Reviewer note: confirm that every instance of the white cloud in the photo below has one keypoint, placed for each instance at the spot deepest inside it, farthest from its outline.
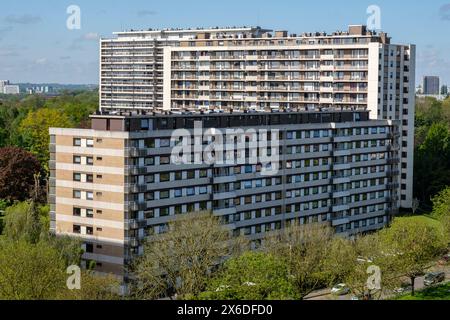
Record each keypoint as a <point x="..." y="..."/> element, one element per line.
<point x="23" y="19"/>
<point x="91" y="36"/>
<point x="41" y="61"/>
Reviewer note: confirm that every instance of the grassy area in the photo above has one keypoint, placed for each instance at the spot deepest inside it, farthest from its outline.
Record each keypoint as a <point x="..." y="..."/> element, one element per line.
<point x="433" y="293"/>
<point x="425" y="218"/>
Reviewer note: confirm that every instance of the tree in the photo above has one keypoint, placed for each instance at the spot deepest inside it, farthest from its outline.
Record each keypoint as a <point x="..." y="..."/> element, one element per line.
<point x="252" y="276"/>
<point x="18" y="171"/>
<point x="23" y="221"/>
<point x="30" y="271"/>
<point x="93" y="287"/>
<point x="179" y="261"/>
<point x="441" y="203"/>
<point x="411" y="244"/>
<point x="432" y="163"/>
<point x="441" y="210"/>
<point x="35" y="131"/>
<point x="365" y="261"/>
<point x="304" y="249"/>
<point x="38" y="272"/>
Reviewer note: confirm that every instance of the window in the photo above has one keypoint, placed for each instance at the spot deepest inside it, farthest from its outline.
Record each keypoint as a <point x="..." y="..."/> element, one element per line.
<point x="178" y="193"/>
<point x="203" y="190"/>
<point x="164" y="194"/>
<point x="164" y="160"/>
<point x="89" y="213"/>
<point x="149" y="161"/>
<point x="89" y="195"/>
<point x="164" y="143"/>
<point x="178" y="175"/>
<point x="76" y="229"/>
<point x="90" y="178"/>
<point x="77" y="194"/>
<point x="77" y="159"/>
<point x="89" y="248"/>
<point x="191" y="174"/>
<point x="77" y="176"/>
<point x="77" y="212"/>
<point x="77" y="142"/>
<point x="90" y="143"/>
<point x="163" y="212"/>
<point x="190" y="191"/>
<point x="90" y="161"/>
<point x="164" y="177"/>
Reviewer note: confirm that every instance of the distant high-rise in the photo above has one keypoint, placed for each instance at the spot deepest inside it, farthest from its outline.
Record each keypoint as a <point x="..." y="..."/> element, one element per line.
<point x="431" y="85"/>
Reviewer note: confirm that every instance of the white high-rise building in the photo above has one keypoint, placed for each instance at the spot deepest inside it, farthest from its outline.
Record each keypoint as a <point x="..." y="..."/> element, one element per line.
<point x="257" y="69"/>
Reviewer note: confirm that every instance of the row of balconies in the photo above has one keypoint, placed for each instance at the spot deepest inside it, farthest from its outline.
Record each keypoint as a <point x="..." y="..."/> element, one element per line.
<point x="268" y="57"/>
<point x="270" y="68"/>
<point x="271" y="89"/>
<point x="274" y="99"/>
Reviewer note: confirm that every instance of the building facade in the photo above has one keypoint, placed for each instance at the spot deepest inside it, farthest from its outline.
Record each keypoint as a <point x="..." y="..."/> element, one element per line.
<point x="116" y="184"/>
<point x="431" y="85"/>
<point x="257" y="69"/>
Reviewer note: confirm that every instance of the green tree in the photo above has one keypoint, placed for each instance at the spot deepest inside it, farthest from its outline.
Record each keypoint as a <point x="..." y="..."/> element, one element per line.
<point x="441" y="210"/>
<point x="411" y="244"/>
<point x="30" y="271"/>
<point x="252" y="276"/>
<point x="35" y="131"/>
<point x="432" y="163"/>
<point x="38" y="272"/>
<point x="180" y="261"/>
<point x="363" y="254"/>
<point x="304" y="248"/>
<point x="23" y="221"/>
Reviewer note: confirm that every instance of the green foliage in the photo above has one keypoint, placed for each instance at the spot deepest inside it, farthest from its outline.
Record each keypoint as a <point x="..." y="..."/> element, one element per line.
<point x="252" y="276"/>
<point x="30" y="271"/>
<point x="411" y="244"/>
<point x="441" y="210"/>
<point x="23" y="124"/>
<point x="305" y="248"/>
<point x="23" y="221"/>
<point x="432" y="154"/>
<point x="38" y="272"/>
<point x="35" y="131"/>
<point x="180" y="261"/>
<point x="441" y="203"/>
<point x="432" y="162"/>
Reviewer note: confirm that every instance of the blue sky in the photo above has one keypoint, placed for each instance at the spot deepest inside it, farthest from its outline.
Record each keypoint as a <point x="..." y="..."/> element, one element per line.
<point x="36" y="46"/>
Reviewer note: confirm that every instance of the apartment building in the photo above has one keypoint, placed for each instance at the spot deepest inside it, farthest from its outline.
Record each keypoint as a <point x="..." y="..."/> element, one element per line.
<point x="116" y="184"/>
<point x="258" y="69"/>
<point x="431" y="85"/>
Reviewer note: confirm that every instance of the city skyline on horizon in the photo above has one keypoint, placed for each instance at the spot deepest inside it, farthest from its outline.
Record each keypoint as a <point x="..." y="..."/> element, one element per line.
<point x="52" y="53"/>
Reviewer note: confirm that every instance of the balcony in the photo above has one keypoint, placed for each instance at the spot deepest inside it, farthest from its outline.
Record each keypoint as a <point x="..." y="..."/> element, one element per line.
<point x="136" y="152"/>
<point x="135" y="206"/>
<point x="135" y="170"/>
<point x="135" y="188"/>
